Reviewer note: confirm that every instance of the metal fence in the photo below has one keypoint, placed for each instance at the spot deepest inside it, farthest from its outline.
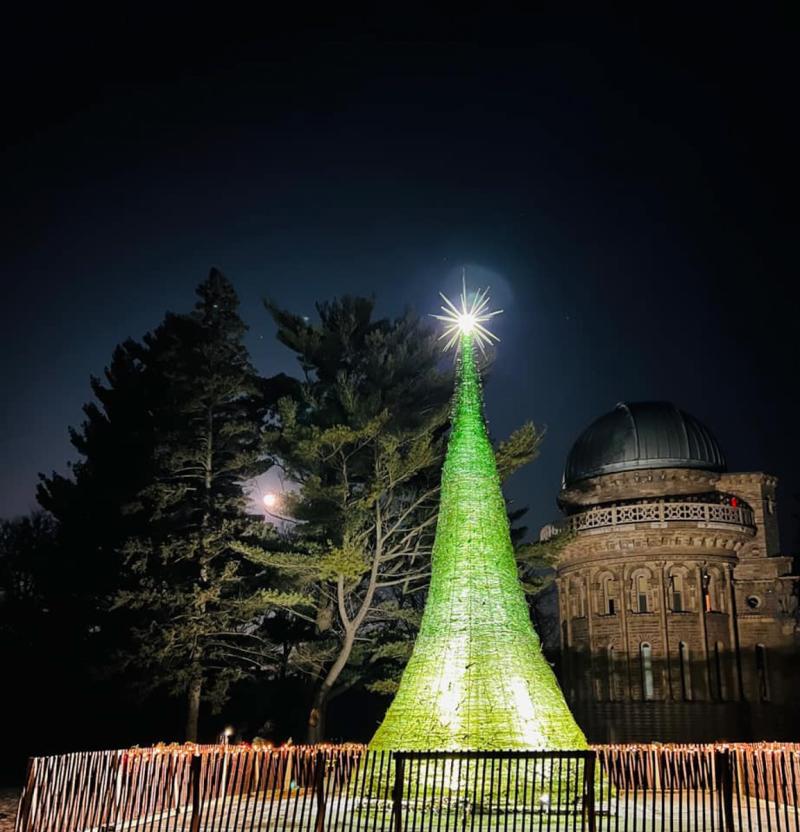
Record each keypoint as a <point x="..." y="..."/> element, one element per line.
<point x="612" y="788"/>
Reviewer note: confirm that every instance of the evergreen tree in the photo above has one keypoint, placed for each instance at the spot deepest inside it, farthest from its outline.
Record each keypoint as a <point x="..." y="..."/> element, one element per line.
<point x="115" y="446"/>
<point x="363" y="437"/>
<point x="27" y="545"/>
<point x="186" y="583"/>
<point x="35" y="639"/>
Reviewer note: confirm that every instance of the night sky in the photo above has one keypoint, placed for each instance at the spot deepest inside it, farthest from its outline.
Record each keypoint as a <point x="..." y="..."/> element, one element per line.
<point x="626" y="186"/>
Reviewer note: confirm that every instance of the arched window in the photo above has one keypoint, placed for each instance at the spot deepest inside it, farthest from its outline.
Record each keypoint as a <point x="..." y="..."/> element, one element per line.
<point x="719" y="670"/>
<point x="676" y="592"/>
<point x="577" y="598"/>
<point x="572" y="598"/>
<point x="763" y="672"/>
<point x="686" y="671"/>
<point x="713" y="591"/>
<point x="707" y="584"/>
<point x="719" y="592"/>
<point x="609" y="602"/>
<point x="642" y="586"/>
<point x="646" y="655"/>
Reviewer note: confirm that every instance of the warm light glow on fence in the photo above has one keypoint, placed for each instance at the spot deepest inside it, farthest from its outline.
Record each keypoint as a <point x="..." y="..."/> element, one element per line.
<point x="339" y="788"/>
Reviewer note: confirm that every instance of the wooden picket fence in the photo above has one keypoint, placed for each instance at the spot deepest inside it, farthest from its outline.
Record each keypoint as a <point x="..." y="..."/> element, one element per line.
<point x="766" y="770"/>
<point x="624" y="788"/>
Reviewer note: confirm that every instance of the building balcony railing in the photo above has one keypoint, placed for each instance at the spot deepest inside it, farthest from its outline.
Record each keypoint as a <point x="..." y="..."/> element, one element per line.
<point x="657" y="514"/>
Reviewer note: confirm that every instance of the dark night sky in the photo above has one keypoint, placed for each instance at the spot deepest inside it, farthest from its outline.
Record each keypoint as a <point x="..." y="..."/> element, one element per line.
<point x="627" y="186"/>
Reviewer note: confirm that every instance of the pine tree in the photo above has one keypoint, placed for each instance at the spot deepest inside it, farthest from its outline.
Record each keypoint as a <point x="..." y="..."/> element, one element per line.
<point x="187" y="585"/>
<point x="75" y="570"/>
<point x="27" y="549"/>
<point x="477" y="678"/>
<point x="115" y="446"/>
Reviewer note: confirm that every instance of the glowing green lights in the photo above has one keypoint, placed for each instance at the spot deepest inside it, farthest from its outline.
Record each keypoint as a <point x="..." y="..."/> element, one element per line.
<point x="477" y="679"/>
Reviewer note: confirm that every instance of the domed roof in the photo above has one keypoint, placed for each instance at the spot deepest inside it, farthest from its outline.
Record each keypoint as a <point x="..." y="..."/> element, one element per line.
<point x="636" y="435"/>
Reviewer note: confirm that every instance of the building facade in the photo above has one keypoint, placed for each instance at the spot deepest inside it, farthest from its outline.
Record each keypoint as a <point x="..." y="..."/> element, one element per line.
<point x="678" y="613"/>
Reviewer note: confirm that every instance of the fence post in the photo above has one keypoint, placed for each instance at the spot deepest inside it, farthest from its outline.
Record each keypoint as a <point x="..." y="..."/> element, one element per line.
<point x="194" y="774"/>
<point x="397" y="792"/>
<point x="589" y="768"/>
<point x="724" y="775"/>
<point x="288" y="769"/>
<point x="26" y="808"/>
<point x="319" y="788"/>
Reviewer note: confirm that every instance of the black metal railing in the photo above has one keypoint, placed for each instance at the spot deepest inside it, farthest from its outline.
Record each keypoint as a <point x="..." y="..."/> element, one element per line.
<point x="612" y="788"/>
<point x="477" y="790"/>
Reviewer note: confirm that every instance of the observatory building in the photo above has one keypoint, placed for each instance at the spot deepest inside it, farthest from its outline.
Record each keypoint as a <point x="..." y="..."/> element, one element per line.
<point x="678" y="614"/>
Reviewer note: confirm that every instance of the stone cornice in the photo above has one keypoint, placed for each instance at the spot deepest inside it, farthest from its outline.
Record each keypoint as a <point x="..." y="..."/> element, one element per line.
<point x="655" y="482"/>
<point x="654" y="544"/>
<point x="630" y="563"/>
<point x="642" y="483"/>
<point x="749" y="478"/>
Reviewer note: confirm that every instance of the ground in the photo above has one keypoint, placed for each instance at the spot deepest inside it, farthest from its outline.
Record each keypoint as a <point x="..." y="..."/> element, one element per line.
<point x="8" y="808"/>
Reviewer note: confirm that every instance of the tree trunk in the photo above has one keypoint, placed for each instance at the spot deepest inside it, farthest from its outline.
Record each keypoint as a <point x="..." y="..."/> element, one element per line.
<point x="318" y="714"/>
<point x="193" y="709"/>
<point x="316" y="717"/>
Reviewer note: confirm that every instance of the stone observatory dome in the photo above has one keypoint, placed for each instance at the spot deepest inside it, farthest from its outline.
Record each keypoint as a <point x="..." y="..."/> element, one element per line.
<point x="636" y="435"/>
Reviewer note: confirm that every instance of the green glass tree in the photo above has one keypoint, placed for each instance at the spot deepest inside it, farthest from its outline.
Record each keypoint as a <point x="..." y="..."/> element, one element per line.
<point x="477" y="679"/>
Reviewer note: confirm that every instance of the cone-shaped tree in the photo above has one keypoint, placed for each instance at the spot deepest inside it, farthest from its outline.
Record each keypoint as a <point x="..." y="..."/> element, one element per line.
<point x="477" y="679"/>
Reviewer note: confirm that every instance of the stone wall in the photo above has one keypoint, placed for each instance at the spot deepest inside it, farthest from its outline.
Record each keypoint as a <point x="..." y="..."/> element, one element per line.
<point x="691" y="621"/>
<point x="666" y="722"/>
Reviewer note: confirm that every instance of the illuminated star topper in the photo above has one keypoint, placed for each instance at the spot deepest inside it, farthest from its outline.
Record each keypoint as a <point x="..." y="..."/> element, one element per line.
<point x="470" y="319"/>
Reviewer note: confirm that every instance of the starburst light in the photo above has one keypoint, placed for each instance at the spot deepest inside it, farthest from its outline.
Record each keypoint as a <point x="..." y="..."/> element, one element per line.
<point x="469" y="319"/>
